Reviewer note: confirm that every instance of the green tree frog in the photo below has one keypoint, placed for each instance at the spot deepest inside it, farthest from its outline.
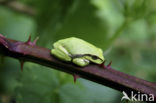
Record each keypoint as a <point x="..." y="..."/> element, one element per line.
<point x="77" y="51"/>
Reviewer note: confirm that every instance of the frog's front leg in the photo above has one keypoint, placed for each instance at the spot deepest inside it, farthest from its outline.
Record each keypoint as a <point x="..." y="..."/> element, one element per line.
<point x="80" y="61"/>
<point x="61" y="53"/>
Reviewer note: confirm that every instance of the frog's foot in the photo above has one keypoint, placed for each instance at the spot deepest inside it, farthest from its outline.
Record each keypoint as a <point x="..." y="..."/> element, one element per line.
<point x="80" y="61"/>
<point x="106" y="66"/>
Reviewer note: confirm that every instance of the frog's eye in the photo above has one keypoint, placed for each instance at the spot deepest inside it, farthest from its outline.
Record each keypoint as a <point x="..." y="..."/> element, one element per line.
<point x="94" y="57"/>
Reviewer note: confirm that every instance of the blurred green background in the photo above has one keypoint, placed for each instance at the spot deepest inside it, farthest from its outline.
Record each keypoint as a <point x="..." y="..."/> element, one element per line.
<point x="124" y="29"/>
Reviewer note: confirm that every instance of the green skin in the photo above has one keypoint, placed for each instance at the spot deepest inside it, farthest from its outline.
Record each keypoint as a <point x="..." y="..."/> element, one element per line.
<point x="77" y="51"/>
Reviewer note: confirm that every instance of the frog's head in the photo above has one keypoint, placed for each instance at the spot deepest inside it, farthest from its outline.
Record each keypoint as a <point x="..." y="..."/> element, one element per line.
<point x="95" y="59"/>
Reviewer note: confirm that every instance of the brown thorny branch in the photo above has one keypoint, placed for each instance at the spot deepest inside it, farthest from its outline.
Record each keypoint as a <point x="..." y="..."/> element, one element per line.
<point x="28" y="51"/>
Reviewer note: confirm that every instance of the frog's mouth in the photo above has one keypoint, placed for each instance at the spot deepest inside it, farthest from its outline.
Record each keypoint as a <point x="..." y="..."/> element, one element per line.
<point x="94" y="57"/>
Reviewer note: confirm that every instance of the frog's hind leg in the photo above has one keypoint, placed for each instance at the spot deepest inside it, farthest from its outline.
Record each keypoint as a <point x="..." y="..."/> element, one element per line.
<point x="61" y="53"/>
<point x="80" y="61"/>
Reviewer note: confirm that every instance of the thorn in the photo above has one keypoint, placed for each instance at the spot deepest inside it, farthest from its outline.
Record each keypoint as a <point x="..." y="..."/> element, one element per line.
<point x="75" y="77"/>
<point x="22" y="64"/>
<point x="109" y="65"/>
<point x="34" y="42"/>
<point x="103" y="65"/>
<point x="29" y="40"/>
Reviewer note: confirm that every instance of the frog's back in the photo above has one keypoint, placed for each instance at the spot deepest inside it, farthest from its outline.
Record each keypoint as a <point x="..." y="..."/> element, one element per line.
<point x="80" y="46"/>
